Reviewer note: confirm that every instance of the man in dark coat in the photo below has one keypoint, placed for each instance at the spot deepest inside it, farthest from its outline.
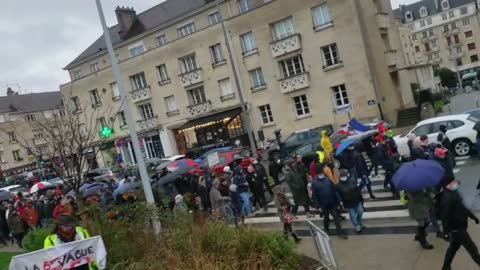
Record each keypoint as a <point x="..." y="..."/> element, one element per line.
<point x="362" y="171"/>
<point x="347" y="161"/>
<point x="262" y="175"/>
<point x="352" y="199"/>
<point x="369" y="144"/>
<point x="256" y="187"/>
<point x="326" y="200"/>
<point x="295" y="183"/>
<point x="387" y="163"/>
<point x="455" y="221"/>
<point x="242" y="188"/>
<point x="440" y="155"/>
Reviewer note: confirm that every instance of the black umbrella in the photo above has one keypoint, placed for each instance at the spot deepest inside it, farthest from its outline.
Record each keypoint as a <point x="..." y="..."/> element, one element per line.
<point x="92" y="190"/>
<point x="173" y="175"/>
<point x="5" y="195"/>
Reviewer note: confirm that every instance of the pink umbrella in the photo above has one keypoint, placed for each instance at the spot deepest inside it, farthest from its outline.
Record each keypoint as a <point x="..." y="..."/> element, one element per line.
<point x="40" y="186"/>
<point x="182" y="163"/>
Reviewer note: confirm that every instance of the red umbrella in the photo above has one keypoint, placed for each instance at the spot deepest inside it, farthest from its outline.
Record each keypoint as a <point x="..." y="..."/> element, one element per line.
<point x="40" y="186"/>
<point x="182" y="163"/>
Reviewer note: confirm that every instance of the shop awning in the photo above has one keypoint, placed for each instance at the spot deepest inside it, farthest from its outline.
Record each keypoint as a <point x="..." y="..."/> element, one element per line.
<point x="212" y="119"/>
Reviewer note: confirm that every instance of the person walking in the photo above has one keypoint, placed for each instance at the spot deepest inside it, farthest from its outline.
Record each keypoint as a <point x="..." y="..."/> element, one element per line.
<point x="16" y="225"/>
<point x="284" y="212"/>
<point x="256" y="187"/>
<point x="313" y="163"/>
<point x="327" y="201"/>
<point x="347" y="161"/>
<point x="411" y="137"/>
<point x="440" y="155"/>
<point x="262" y="175"/>
<point x="445" y="142"/>
<point x="219" y="202"/>
<point x="455" y="221"/>
<point x="370" y="149"/>
<point x="295" y="183"/>
<point x="236" y="204"/>
<point x="352" y="199"/>
<point x="362" y="171"/>
<point x="387" y="163"/>
<point x="420" y="204"/>
<point x="326" y="144"/>
<point x="302" y="172"/>
<point x="30" y="215"/>
<point x="392" y="145"/>
<point x="242" y="188"/>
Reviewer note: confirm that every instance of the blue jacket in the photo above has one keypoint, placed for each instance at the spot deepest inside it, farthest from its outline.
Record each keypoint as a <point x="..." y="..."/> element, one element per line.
<point x="324" y="193"/>
<point x="239" y="180"/>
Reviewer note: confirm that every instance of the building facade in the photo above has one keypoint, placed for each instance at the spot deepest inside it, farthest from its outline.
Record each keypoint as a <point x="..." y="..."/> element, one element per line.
<point x="302" y="64"/>
<point x="441" y="33"/>
<point x="22" y="143"/>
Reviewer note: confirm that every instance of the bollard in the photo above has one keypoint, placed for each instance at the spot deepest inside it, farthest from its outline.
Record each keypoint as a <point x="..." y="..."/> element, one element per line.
<point x="449" y="109"/>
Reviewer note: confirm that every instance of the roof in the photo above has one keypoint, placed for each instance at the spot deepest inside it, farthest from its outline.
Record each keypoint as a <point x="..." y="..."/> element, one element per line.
<point x="430" y="5"/>
<point x="31" y="102"/>
<point x="443" y="118"/>
<point x="151" y="18"/>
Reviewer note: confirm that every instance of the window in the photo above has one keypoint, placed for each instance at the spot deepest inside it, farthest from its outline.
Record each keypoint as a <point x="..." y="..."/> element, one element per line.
<point x="422" y="23"/>
<point x="423" y="12"/>
<point x="12" y="137"/>
<point x="301" y="105"/>
<point x="244" y="5"/>
<point x="466" y="21"/>
<point x="94" y="67"/>
<point x="330" y="55"/>
<point x="30" y="117"/>
<point x="340" y="95"/>
<point x="417" y="49"/>
<point x="457" y="39"/>
<point x="471" y="46"/>
<point x="162" y="73"/>
<point x="186" y="30"/>
<point x="445" y="4"/>
<point x="414" y="37"/>
<point x="431" y="32"/>
<point x="283" y="29"/>
<point x="38" y="135"/>
<point x="292" y="66"/>
<point x="115" y="91"/>
<point x="75" y="103"/>
<point x="161" y="40"/>
<point x="214" y="18"/>
<point x="429" y="21"/>
<point x="459" y="62"/>
<point x="445" y="28"/>
<point x="434" y="44"/>
<point x="321" y="16"/>
<point x="77" y="74"/>
<point x="444" y="16"/>
<point x="459" y="49"/>
<point x="249" y="43"/>
<point x="16" y="155"/>
<point x="449" y="41"/>
<point x="436" y="55"/>
<point x="197" y="96"/>
<point x="451" y="14"/>
<point x="474" y="58"/>
<point x="216" y="54"/>
<point x="412" y="26"/>
<point x="408" y="16"/>
<point x="43" y="149"/>
<point x="136" y="49"/>
<point x="422" y="130"/>
<point x="170" y="104"/>
<point x="94" y="97"/>
<point x="424" y="34"/>
<point x="427" y="47"/>
<point x="188" y="63"/>
<point x="454" y="26"/>
<point x="256" y="78"/>
<point x="430" y="57"/>
<point x="101" y="123"/>
<point x="463" y="10"/>
<point x="146" y="111"/>
<point x="226" y="89"/>
<point x="122" y="119"/>
<point x="138" y="81"/>
<point x="436" y="67"/>
<point x="266" y="114"/>
<point x="469" y="34"/>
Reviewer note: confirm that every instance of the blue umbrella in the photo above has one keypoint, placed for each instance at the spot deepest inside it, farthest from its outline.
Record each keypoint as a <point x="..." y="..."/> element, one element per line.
<point x="417" y="175"/>
<point x="344" y="145"/>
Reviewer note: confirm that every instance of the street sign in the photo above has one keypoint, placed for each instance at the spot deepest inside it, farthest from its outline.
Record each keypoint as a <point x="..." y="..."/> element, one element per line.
<point x="343" y="109"/>
<point x="371" y="102"/>
<point x="213" y="159"/>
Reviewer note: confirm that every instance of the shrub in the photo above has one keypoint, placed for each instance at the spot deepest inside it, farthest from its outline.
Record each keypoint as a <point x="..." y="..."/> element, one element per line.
<point x="35" y="239"/>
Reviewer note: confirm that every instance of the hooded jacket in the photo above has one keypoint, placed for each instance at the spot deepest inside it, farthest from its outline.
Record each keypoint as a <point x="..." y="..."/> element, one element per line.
<point x="326" y="143"/>
<point x="239" y="180"/>
<point x="324" y="193"/>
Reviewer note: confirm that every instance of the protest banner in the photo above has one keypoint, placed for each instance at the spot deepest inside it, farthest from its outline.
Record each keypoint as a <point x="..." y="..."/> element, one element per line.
<point x="64" y="256"/>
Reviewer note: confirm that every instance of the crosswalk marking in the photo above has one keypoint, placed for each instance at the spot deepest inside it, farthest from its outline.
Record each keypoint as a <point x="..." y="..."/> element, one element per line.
<point x="460" y="163"/>
<point x="462" y="158"/>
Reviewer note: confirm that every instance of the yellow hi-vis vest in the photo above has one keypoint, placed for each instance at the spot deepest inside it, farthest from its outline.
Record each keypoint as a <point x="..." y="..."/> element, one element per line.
<point x="321" y="156"/>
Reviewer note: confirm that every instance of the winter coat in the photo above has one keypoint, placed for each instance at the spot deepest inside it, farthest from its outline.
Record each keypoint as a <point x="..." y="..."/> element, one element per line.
<point x="296" y="187"/>
<point x="420" y="203"/>
<point x="326" y="143"/>
<point x="444" y="141"/>
<point x="329" y="174"/>
<point x="236" y="202"/>
<point x="453" y="213"/>
<point x="15" y="223"/>
<point x="216" y="199"/>
<point x="410" y="147"/>
<point x="449" y="176"/>
<point x="261" y="172"/>
<point x="347" y="160"/>
<point x="392" y="145"/>
<point x="254" y="182"/>
<point x="419" y="152"/>
<point x="382" y="156"/>
<point x="239" y="180"/>
<point x="311" y="169"/>
<point x="281" y="203"/>
<point x="204" y="196"/>
<point x="349" y="193"/>
<point x="31" y="216"/>
<point x="324" y="194"/>
<point x="360" y="165"/>
<point x="302" y="172"/>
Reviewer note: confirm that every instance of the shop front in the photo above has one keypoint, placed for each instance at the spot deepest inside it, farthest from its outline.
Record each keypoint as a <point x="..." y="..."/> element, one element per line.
<point x="150" y="145"/>
<point x="215" y="130"/>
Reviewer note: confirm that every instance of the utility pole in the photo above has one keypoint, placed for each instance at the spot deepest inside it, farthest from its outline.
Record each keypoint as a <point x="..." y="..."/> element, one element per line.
<point x="245" y="116"/>
<point x="459" y="77"/>
<point x="128" y="112"/>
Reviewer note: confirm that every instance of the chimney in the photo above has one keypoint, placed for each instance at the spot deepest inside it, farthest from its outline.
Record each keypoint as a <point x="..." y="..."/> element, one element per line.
<point x="126" y="17"/>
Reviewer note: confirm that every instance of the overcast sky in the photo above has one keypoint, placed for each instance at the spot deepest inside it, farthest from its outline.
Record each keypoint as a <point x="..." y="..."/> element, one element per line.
<point x="39" y="38"/>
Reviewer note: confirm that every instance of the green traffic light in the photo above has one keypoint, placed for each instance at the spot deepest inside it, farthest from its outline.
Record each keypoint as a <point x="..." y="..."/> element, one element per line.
<point x="106" y="132"/>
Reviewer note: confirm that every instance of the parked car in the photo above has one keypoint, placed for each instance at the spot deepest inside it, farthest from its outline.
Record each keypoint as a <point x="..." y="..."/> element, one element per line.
<point x="475" y="113"/>
<point x="459" y="130"/>
<point x="227" y="158"/>
<point x="206" y="154"/>
<point x="15" y="189"/>
<point x="101" y="174"/>
<point x="471" y="81"/>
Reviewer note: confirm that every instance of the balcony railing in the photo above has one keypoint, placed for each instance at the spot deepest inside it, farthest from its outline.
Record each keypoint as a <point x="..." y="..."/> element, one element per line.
<point x="40" y="141"/>
<point x="286" y="45"/>
<point x="191" y="78"/>
<point x="294" y="83"/>
<point x="141" y="94"/>
<point x="391" y="58"/>
<point x="383" y="21"/>
<point x="451" y="32"/>
<point x="149" y="123"/>
<point x="198" y="109"/>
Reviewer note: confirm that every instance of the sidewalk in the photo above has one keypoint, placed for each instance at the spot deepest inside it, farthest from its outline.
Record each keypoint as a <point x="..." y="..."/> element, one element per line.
<point x="392" y="252"/>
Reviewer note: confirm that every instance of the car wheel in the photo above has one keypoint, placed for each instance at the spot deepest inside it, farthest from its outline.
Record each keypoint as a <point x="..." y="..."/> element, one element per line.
<point x="462" y="147"/>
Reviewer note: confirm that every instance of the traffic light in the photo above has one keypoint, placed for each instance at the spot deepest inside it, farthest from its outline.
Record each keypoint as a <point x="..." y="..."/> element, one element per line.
<point x="106" y="132"/>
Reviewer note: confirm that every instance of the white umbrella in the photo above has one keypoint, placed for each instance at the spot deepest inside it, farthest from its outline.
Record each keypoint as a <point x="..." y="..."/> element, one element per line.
<point x="40" y="186"/>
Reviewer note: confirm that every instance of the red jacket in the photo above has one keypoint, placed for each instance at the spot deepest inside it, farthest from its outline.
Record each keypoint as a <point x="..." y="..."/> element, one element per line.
<point x="61" y="210"/>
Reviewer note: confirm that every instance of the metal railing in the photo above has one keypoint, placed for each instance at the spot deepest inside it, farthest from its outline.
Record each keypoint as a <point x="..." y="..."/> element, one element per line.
<point x="324" y="245"/>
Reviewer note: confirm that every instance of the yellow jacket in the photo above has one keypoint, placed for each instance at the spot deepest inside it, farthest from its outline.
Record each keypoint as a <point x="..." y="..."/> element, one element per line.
<point x="326" y="143"/>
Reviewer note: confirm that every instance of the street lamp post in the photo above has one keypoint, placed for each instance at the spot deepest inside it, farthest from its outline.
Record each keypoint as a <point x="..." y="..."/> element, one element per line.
<point x="245" y="116"/>
<point x="128" y="112"/>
